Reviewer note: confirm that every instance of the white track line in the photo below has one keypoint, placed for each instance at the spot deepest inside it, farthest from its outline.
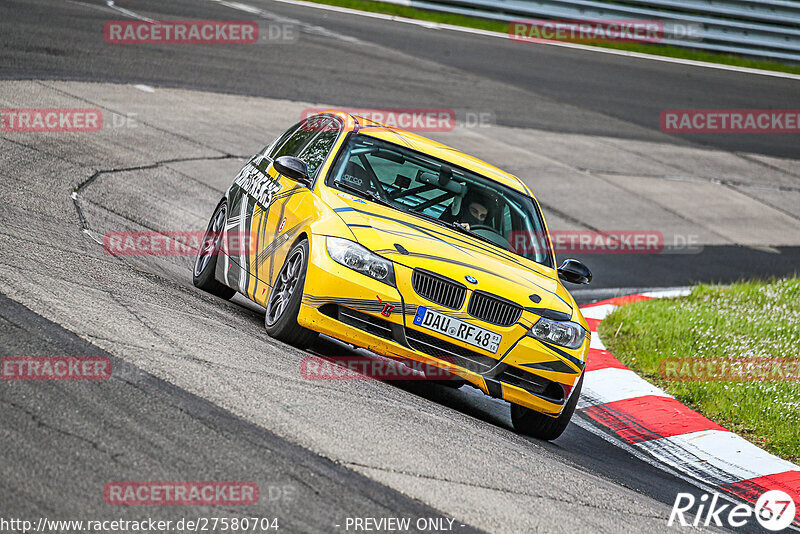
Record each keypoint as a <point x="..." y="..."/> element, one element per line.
<point x="268" y="15"/>
<point x="611" y="385"/>
<point x="711" y="456"/>
<point x="596" y="342"/>
<point x="723" y="450"/>
<point x="668" y="293"/>
<point x="128" y="12"/>
<point x="486" y="33"/>
<point x="591" y="426"/>
<point x="598" y="312"/>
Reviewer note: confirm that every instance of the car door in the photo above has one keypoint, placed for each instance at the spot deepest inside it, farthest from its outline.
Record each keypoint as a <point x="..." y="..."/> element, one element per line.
<point x="246" y="198"/>
<point x="274" y="211"/>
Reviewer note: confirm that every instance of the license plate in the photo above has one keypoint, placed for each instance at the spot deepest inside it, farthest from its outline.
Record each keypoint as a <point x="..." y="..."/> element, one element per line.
<point x="457" y="329"/>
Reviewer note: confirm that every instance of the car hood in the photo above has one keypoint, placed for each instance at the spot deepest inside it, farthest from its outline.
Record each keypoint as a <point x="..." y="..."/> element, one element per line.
<point x="418" y="243"/>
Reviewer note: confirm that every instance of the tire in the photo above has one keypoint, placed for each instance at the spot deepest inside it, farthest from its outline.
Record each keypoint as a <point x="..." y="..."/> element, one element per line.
<point x="283" y="305"/>
<point x="538" y="425"/>
<point x="205" y="265"/>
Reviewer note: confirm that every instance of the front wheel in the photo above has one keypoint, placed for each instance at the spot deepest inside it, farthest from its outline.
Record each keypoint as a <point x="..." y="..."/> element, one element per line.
<point x="284" y="300"/>
<point x="206" y="263"/>
<point x="538" y="425"/>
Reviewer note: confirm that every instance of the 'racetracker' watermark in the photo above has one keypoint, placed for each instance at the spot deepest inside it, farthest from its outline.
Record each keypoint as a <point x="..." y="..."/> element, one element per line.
<point x="604" y="242"/>
<point x="589" y="31"/>
<point x="175" y="243"/>
<point x="62" y="120"/>
<point x="50" y="119"/>
<point x="730" y="120"/>
<point x="181" y="493"/>
<point x="212" y="523"/>
<point x="55" y="368"/>
<point x="370" y="368"/>
<point x="128" y="32"/>
<point x="730" y="369"/>
<point x="602" y="31"/>
<point x="774" y="510"/>
<point x="411" y="119"/>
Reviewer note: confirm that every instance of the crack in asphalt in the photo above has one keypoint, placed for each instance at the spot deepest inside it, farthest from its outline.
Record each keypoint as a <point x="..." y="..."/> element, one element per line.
<point x="163" y="233"/>
<point x="739" y="155"/>
<point x="147" y="326"/>
<point x="698" y="179"/>
<point x="734" y="185"/>
<point x="40" y="151"/>
<point x="669" y="210"/>
<point x="761" y="201"/>
<point x="42" y="424"/>
<point x="186" y="138"/>
<point x="75" y="195"/>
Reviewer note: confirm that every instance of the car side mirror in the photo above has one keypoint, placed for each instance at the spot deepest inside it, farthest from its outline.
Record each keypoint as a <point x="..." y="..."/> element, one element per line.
<point x="293" y="168"/>
<point x="574" y="272"/>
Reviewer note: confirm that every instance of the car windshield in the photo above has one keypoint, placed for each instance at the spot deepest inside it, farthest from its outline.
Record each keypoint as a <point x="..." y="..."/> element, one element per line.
<point x="417" y="183"/>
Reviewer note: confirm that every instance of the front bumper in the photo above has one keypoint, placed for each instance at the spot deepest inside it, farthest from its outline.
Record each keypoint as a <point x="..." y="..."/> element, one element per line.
<point x="356" y="309"/>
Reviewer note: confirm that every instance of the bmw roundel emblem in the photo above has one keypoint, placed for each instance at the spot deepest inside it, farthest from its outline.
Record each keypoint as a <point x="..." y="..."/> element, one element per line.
<point x="471" y="279"/>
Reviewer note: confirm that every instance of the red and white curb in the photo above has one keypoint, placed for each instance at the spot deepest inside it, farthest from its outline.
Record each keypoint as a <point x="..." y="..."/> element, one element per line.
<point x="652" y="421"/>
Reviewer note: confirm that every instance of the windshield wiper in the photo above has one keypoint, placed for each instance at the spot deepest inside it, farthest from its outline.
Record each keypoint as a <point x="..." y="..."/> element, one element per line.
<point x="454" y="226"/>
<point x="369" y="195"/>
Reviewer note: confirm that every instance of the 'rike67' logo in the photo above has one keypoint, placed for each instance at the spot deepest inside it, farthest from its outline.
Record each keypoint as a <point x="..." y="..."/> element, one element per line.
<point x="774" y="510"/>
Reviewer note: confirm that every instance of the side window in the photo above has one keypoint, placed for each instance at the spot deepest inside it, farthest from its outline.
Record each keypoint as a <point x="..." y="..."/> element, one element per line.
<point x="310" y="140"/>
<point x="507" y="223"/>
<point x="270" y="150"/>
<point x="295" y="143"/>
<point x="318" y="148"/>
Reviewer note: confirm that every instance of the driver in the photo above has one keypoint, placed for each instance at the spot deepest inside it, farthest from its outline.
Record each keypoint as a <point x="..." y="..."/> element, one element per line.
<point x="475" y="211"/>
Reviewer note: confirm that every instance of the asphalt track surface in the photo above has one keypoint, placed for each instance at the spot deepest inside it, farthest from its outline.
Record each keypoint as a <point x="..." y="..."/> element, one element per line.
<point x="561" y="89"/>
<point x="365" y="62"/>
<point x="200" y="392"/>
<point x="105" y="427"/>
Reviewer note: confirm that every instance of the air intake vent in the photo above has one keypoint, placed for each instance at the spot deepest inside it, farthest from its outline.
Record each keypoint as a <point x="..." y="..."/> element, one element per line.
<point x="493" y="309"/>
<point x="449" y="352"/>
<point x="533" y="383"/>
<point x="438" y="289"/>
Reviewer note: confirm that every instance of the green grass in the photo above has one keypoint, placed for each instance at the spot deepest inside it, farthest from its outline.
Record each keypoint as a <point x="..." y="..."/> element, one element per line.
<point x="746" y="320"/>
<point x="501" y="27"/>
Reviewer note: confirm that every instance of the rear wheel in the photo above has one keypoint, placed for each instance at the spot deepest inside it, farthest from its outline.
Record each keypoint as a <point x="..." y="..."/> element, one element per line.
<point x="284" y="300"/>
<point x="206" y="263"/>
<point x="537" y="425"/>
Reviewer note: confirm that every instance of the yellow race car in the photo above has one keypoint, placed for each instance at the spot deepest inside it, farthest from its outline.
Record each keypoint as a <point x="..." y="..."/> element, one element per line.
<point x="406" y="247"/>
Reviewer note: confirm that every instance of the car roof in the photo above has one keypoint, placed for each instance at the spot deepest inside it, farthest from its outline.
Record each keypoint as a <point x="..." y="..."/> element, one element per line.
<point x="366" y="126"/>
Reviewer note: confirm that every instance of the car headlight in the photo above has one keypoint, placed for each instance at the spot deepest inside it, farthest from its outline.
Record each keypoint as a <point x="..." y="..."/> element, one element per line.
<point x="358" y="258"/>
<point x="563" y="333"/>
